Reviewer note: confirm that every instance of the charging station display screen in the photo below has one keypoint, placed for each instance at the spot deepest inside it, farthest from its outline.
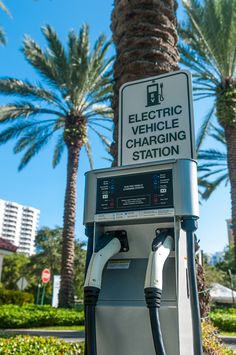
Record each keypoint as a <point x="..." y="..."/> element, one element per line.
<point x="152" y="190"/>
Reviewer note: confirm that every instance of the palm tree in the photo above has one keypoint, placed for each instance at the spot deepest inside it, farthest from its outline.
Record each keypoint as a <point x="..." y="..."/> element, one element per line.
<point x="212" y="166"/>
<point x="70" y="99"/>
<point x="210" y="52"/>
<point x="145" y="37"/>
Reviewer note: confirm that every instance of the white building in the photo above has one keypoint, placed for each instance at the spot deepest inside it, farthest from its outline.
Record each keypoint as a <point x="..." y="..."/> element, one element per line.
<point x="215" y="258"/>
<point x="18" y="225"/>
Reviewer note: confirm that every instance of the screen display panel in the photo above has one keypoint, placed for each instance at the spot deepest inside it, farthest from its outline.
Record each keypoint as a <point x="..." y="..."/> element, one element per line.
<point x="134" y="192"/>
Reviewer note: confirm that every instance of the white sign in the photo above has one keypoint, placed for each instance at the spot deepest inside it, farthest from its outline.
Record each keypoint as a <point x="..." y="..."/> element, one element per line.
<point x="55" y="291"/>
<point x="22" y="283"/>
<point x="156" y="119"/>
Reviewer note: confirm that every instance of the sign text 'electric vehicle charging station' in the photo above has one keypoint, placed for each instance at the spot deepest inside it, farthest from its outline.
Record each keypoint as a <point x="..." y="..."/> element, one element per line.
<point x="156" y="119"/>
<point x="140" y="291"/>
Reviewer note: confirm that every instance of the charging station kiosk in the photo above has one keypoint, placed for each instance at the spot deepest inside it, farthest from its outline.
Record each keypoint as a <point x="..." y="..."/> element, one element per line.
<point x="140" y="286"/>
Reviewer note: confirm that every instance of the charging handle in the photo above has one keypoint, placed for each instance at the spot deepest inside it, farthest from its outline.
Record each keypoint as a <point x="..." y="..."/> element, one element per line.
<point x="121" y="235"/>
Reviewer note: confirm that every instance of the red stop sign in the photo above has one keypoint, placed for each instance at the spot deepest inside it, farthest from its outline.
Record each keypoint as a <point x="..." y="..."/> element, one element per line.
<point x="46" y="275"/>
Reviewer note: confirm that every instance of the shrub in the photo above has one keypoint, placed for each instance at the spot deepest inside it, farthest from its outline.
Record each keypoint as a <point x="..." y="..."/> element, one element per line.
<point x="224" y="319"/>
<point x="28" y="316"/>
<point x="15" y="297"/>
<point x="38" y="345"/>
<point x="212" y="344"/>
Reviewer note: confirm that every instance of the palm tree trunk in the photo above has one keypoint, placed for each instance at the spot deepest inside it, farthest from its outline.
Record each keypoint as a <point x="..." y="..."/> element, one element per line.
<point x="145" y="36"/>
<point x="230" y="137"/>
<point x="66" y="295"/>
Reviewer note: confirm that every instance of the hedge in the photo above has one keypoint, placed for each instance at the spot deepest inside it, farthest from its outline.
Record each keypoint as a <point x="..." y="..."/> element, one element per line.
<point x="28" y="316"/>
<point x="15" y="297"/>
<point x="212" y="344"/>
<point x="224" y="319"/>
<point x="27" y="345"/>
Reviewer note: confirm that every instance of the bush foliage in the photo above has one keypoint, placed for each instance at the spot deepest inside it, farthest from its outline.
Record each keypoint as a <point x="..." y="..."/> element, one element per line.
<point x="15" y="297"/>
<point x="50" y="346"/>
<point x="28" y="316"/>
<point x="27" y="345"/>
<point x="212" y="344"/>
<point x="224" y="319"/>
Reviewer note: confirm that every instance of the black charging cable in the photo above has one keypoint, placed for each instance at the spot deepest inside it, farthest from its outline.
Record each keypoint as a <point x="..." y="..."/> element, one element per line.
<point x="161" y="247"/>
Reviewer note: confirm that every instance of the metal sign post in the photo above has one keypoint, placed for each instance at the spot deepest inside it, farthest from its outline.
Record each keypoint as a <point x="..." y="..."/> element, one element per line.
<point x="45" y="276"/>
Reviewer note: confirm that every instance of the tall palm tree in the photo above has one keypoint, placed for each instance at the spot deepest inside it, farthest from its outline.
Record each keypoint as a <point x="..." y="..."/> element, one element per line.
<point x="210" y="52"/>
<point x="212" y="167"/>
<point x="70" y="99"/>
<point x="145" y="37"/>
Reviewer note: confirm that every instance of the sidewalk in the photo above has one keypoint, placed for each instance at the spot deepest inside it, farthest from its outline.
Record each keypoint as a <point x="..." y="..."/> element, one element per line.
<point x="230" y="341"/>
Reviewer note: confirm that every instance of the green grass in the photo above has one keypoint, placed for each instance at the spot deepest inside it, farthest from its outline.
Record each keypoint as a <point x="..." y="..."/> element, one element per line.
<point x="79" y="328"/>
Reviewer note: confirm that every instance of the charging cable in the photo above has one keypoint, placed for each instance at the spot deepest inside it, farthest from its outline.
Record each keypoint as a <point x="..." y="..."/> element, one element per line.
<point x="161" y="247"/>
<point x="109" y="244"/>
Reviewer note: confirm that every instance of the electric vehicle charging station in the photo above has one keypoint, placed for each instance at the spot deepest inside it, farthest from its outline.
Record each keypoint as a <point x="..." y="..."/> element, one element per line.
<point x="140" y="286"/>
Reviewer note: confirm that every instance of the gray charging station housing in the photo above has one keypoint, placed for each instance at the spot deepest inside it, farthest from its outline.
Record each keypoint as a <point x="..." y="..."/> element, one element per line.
<point x="122" y="321"/>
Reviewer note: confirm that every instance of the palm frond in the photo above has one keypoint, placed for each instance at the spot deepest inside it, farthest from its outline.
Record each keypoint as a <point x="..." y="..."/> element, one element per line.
<point x="60" y="146"/>
<point x="210" y="31"/>
<point x="56" y="54"/>
<point x="102" y="137"/>
<point x="79" y="57"/>
<point x="15" y="87"/>
<point x="20" y="128"/>
<point x="22" y="109"/>
<point x="204" y="129"/>
<point x="212" y="154"/>
<point x="218" y="134"/>
<point x="212" y="173"/>
<point x="196" y="20"/>
<point x="40" y="61"/>
<point x="95" y="123"/>
<point x="209" y="187"/>
<point x="73" y="44"/>
<point x="2" y="36"/>
<point x="5" y="9"/>
<point x="34" y="149"/>
<point x="31" y="135"/>
<point x="88" y="149"/>
<point x="101" y="110"/>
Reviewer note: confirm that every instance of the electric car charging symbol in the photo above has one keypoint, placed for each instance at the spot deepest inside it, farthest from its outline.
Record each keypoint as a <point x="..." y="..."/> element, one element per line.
<point x="154" y="94"/>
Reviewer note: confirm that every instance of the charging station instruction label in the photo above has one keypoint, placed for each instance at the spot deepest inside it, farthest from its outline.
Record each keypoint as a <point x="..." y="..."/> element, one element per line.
<point x="128" y="196"/>
<point x="156" y="119"/>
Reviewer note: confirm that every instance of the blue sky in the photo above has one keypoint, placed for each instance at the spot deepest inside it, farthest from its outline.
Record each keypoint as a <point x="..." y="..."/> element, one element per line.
<point x="41" y="186"/>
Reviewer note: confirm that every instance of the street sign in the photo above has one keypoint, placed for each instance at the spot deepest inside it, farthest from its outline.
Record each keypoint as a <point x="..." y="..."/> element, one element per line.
<point x="56" y="289"/>
<point x="46" y="275"/>
<point x="156" y="119"/>
<point x="22" y="283"/>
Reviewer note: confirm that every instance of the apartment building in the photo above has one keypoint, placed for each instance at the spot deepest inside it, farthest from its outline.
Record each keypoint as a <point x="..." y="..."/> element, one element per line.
<point x="18" y="225"/>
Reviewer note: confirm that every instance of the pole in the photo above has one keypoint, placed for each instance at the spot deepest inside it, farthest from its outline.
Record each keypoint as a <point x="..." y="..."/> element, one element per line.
<point x="38" y="294"/>
<point x="231" y="285"/>
<point x="43" y="294"/>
